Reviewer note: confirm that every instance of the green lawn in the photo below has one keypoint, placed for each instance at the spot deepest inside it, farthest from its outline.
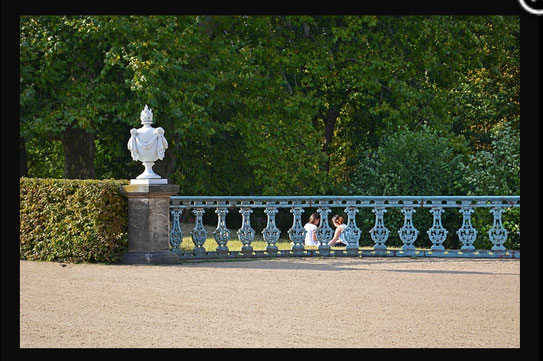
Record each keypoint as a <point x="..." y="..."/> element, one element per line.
<point x="258" y="244"/>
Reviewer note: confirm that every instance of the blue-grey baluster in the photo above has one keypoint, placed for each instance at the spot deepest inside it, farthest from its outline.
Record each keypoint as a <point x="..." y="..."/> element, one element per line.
<point x="497" y="234"/>
<point x="271" y="232"/>
<point x="222" y="234"/>
<point x="297" y="232"/>
<point x="246" y="234"/>
<point x="324" y="232"/>
<point x="352" y="232"/>
<point x="467" y="234"/>
<point x="176" y="236"/>
<point x="408" y="233"/>
<point x="199" y="234"/>
<point x="379" y="233"/>
<point x="437" y="233"/>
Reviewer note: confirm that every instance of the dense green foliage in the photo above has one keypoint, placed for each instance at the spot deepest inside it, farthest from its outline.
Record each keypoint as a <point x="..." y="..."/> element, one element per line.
<point x="72" y="220"/>
<point x="262" y="104"/>
<point x="418" y="162"/>
<point x="496" y="171"/>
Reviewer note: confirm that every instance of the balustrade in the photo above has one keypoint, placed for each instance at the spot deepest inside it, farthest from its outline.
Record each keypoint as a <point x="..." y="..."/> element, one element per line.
<point x="176" y="235"/>
<point x="324" y="232"/>
<point x="199" y="233"/>
<point x="352" y="232"/>
<point x="379" y="233"/>
<point x="221" y="233"/>
<point x="350" y="205"/>
<point x="297" y="232"/>
<point x="437" y="234"/>
<point x="408" y="233"/>
<point x="271" y="233"/>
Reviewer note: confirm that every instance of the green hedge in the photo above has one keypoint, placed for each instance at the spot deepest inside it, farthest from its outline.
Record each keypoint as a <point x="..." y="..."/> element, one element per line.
<point x="72" y="220"/>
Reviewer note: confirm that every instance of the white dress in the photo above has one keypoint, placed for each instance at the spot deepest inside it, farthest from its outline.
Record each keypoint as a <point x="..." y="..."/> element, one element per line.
<point x="342" y="234"/>
<point x="310" y="229"/>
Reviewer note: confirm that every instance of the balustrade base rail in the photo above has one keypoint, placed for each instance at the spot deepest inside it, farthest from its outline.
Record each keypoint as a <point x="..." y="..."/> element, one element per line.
<point x="184" y="256"/>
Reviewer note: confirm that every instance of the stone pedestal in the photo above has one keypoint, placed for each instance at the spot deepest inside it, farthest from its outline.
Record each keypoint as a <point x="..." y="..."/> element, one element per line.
<point x="148" y="223"/>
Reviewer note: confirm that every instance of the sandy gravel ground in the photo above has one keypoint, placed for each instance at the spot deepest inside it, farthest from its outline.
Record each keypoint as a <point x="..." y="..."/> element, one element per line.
<point x="291" y="303"/>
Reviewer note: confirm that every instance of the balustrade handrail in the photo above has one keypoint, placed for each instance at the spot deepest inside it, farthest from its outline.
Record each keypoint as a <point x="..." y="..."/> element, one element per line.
<point x="359" y="201"/>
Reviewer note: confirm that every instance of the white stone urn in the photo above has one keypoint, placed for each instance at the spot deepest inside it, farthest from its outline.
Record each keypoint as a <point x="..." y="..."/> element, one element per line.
<point x="147" y="144"/>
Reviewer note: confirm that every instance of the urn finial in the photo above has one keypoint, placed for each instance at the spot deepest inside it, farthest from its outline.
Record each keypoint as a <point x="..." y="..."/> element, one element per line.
<point x="147" y="144"/>
<point x="146" y="116"/>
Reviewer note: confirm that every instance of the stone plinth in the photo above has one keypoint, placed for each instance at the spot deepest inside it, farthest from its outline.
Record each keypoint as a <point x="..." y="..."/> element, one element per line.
<point x="148" y="223"/>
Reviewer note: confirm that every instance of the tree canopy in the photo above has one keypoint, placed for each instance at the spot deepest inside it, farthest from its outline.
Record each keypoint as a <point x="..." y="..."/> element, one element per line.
<point x="276" y="105"/>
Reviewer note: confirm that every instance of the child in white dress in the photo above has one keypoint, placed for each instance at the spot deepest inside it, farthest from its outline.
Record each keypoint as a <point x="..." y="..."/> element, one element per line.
<point x="339" y="238"/>
<point x="311" y="230"/>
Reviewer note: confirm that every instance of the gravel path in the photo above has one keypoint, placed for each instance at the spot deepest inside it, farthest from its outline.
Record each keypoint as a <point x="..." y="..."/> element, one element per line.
<point x="333" y="302"/>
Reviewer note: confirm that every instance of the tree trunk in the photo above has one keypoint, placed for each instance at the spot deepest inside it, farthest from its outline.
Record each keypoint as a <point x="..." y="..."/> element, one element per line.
<point x="23" y="167"/>
<point x="79" y="150"/>
<point x="329" y="125"/>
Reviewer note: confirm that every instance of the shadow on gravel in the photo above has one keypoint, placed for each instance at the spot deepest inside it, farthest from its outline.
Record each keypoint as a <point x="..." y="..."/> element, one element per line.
<point x="321" y="264"/>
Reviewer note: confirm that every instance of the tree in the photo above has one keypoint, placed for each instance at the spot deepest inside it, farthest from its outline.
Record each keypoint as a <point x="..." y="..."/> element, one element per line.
<point x="59" y="88"/>
<point x="82" y="76"/>
<point x="421" y="162"/>
<point x="495" y="171"/>
<point x="260" y="104"/>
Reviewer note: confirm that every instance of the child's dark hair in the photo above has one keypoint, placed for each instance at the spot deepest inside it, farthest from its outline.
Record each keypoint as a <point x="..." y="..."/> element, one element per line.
<point x="337" y="217"/>
<point x="314" y="217"/>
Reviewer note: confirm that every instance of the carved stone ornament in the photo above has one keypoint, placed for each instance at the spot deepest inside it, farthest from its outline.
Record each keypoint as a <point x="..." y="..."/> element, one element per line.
<point x="246" y="233"/>
<point x="271" y="233"/>
<point x="437" y="234"/>
<point x="324" y="232"/>
<point x="147" y="145"/>
<point x="297" y="232"/>
<point x="199" y="234"/>
<point x="497" y="234"/>
<point x="351" y="232"/>
<point x="176" y="235"/>
<point x="379" y="233"/>
<point x="408" y="233"/>
<point x="222" y="234"/>
<point x="467" y="233"/>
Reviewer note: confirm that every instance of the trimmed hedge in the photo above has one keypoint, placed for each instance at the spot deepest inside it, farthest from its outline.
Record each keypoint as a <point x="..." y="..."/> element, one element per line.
<point x="73" y="220"/>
